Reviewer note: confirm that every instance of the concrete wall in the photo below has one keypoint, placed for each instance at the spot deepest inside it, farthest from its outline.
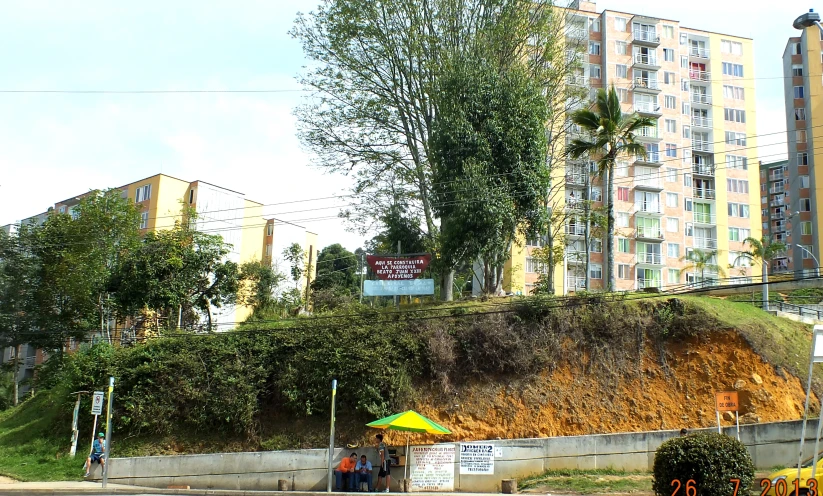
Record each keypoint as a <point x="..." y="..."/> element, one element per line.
<point x="771" y="444"/>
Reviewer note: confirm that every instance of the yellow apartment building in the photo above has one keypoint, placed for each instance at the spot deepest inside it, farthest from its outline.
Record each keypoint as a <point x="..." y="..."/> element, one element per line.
<point x="697" y="188"/>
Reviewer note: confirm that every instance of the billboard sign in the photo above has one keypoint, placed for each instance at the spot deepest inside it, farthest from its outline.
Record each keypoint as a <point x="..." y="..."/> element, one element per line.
<point x="398" y="268"/>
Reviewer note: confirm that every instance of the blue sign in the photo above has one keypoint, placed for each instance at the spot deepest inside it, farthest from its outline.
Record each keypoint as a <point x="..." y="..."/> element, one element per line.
<point x="398" y="287"/>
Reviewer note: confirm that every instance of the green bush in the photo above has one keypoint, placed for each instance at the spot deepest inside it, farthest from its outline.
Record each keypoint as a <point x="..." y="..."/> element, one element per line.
<point x="710" y="460"/>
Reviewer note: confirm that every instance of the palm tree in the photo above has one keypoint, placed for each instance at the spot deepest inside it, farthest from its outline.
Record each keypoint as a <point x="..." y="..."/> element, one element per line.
<point x="612" y="134"/>
<point x="702" y="261"/>
<point x="763" y="251"/>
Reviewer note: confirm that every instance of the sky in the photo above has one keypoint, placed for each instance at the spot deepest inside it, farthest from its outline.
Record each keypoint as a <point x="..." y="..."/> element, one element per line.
<point x="54" y="146"/>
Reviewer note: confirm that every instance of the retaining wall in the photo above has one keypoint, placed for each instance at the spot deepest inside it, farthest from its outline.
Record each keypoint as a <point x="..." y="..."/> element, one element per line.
<point x="770" y="444"/>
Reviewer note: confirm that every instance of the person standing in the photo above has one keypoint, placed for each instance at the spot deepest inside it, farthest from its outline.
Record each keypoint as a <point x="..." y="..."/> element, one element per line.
<point x="385" y="464"/>
<point x="97" y="455"/>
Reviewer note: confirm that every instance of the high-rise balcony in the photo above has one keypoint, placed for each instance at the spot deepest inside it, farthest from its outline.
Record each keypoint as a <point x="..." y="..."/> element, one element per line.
<point x="650" y="258"/>
<point x="647" y="109"/>
<point x="575" y="229"/>
<point x="648" y="183"/>
<point x="577" y="80"/>
<point x="699" y="76"/>
<point x="704" y="218"/>
<point x="777" y="188"/>
<point x="645" y="37"/>
<point x="649" y="208"/>
<point x="704" y="146"/>
<point x="651" y="158"/>
<point x="647" y="132"/>
<point x="701" y="99"/>
<point x="704" y="122"/>
<point x="703" y="169"/>
<point x="705" y="243"/>
<point x="699" y="52"/>
<point x="575" y="282"/>
<point x="644" y="61"/>
<point x="776" y="177"/>
<point x="777" y="202"/>
<point x="577" y="178"/>
<point x="649" y="283"/>
<point x="704" y="193"/>
<point x="650" y="233"/>
<point x="645" y="85"/>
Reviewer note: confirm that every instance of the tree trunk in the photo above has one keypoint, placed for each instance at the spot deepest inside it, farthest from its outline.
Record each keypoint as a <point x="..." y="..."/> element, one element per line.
<point x="447" y="286"/>
<point x="16" y="375"/>
<point x="550" y="246"/>
<point x="208" y="307"/>
<point x="612" y="283"/>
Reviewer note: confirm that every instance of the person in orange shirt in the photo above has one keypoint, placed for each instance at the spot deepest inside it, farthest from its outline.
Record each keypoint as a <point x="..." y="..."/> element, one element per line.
<point x="345" y="473"/>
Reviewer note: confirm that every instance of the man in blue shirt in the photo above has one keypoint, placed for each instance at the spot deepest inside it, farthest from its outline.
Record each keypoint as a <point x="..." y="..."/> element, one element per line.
<point x="97" y="455"/>
<point x="363" y="472"/>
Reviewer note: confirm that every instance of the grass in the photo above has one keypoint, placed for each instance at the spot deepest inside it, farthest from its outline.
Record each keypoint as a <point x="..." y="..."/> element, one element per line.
<point x="589" y="481"/>
<point x="28" y="452"/>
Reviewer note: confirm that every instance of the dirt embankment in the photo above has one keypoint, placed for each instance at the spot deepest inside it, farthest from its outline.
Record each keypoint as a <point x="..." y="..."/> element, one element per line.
<point x="671" y="392"/>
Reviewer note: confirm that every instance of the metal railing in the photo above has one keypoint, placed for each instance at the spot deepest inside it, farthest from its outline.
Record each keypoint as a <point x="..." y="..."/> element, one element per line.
<point x="703" y="169"/>
<point x="649" y="283"/>
<point x="648" y="182"/>
<point x="705" y="243"/>
<point x="649" y="208"/>
<point x="639" y="58"/>
<point x="573" y="282"/>
<point x="648" y="232"/>
<point x="778" y="188"/>
<point x="651" y="157"/>
<point x="790" y="308"/>
<point x="647" y="36"/>
<point x="701" y="53"/>
<point x="701" y="98"/>
<point x="776" y="203"/>
<point x="704" y="218"/>
<point x="647" y="132"/>
<point x="642" y="83"/>
<point x="776" y="177"/>
<point x="702" y="121"/>
<point x="577" y="33"/>
<point x="575" y="230"/>
<point x="695" y="75"/>
<point x="701" y="146"/>
<point x="647" y="107"/>
<point x="650" y="258"/>
<point x="577" y="178"/>
<point x="575" y="203"/>
<point x="704" y="193"/>
<point x="577" y="80"/>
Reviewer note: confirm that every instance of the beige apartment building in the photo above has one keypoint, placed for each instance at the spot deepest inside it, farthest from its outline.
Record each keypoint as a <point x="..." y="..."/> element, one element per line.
<point x="692" y="191"/>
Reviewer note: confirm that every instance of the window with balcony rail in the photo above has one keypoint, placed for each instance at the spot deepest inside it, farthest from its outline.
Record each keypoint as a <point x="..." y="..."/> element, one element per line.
<point x="703" y="98"/>
<point x="704" y="193"/>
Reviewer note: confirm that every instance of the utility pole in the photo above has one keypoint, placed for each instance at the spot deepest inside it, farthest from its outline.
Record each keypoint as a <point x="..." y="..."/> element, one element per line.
<point x="362" y="273"/>
<point x="397" y="297"/>
<point x="107" y="451"/>
<point x="308" y="275"/>
<point x="331" y="435"/>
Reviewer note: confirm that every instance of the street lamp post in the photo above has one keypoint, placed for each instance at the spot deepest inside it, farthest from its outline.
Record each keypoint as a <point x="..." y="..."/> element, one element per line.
<point x="817" y="269"/>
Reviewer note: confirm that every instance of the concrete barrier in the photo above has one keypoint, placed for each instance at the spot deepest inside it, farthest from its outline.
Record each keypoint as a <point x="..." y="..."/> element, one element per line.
<point x="771" y="444"/>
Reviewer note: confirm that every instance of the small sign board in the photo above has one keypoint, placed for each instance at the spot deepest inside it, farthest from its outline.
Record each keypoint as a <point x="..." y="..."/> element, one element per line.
<point x="817" y="345"/>
<point x="726" y="401"/>
<point x="399" y="287"/>
<point x="477" y="459"/>
<point x="97" y="403"/>
<point x="432" y="468"/>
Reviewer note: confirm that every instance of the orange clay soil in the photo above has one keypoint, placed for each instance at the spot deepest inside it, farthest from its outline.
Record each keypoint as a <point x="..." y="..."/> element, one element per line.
<point x="671" y="396"/>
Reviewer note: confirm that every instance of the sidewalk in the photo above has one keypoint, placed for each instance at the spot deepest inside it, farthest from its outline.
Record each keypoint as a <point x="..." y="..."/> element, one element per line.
<point x="78" y="488"/>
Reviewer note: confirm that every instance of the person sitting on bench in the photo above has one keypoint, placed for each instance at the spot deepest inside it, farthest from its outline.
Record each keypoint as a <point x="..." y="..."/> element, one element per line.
<point x="345" y="473"/>
<point x="363" y="473"/>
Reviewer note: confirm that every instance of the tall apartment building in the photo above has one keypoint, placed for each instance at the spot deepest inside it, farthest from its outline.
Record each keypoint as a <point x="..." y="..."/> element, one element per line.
<point x="800" y="203"/>
<point x="230" y="214"/>
<point x="775" y="210"/>
<point x="692" y="190"/>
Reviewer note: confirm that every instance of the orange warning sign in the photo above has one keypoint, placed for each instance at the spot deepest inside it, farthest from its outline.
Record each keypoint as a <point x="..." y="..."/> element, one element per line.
<point x="726" y="401"/>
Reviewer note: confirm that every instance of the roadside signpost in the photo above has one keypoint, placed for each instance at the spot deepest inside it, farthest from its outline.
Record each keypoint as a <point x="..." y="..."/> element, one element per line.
<point x="107" y="450"/>
<point x="726" y="401"/>
<point x="397" y="275"/>
<point x="96" y="410"/>
<point x="816" y="357"/>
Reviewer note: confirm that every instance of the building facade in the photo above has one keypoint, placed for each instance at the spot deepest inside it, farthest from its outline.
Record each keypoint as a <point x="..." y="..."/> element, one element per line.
<point x="775" y="210"/>
<point x="799" y="200"/>
<point x="692" y="190"/>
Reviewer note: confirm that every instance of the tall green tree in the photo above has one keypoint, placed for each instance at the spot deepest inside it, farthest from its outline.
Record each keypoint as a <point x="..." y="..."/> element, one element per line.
<point x="375" y="69"/>
<point x="490" y="178"/>
<point x="703" y="261"/>
<point x="337" y="270"/>
<point x="763" y="251"/>
<point x="612" y="134"/>
<point x="259" y="285"/>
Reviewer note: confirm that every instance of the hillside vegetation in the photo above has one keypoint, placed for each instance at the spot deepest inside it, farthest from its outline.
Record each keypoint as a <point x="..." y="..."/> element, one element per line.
<point x="531" y="367"/>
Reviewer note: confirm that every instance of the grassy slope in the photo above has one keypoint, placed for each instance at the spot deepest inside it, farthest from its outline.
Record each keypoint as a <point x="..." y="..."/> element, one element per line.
<point x="30" y="451"/>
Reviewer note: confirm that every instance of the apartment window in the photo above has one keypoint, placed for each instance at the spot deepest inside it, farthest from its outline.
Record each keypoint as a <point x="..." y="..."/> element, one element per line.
<point x="733" y="92"/>
<point x="621" y="169"/>
<point x="594" y="25"/>
<point x="597" y="194"/>
<point x="805" y="228"/>
<point x="62" y="209"/>
<point x="594" y="71"/>
<point x="670" y="102"/>
<point x="668" y="31"/>
<point x="672" y="200"/>
<point x="673" y="250"/>
<point x="796" y="50"/>
<point x="797" y="70"/>
<point x="672" y="224"/>
<point x="671" y="126"/>
<point x="686" y="109"/>
<point x="621" y="48"/>
<point x="623" y="94"/>
<point x="736" y="162"/>
<point x="738" y="234"/>
<point x="684" y="62"/>
<point x="684" y="85"/>
<point x="623" y="194"/>
<point x="671" y="174"/>
<point x="804" y="181"/>
<point x="620" y="24"/>
<point x="621" y="71"/>
<point x="798" y="92"/>
<point x="671" y="150"/>
<point x="687" y="132"/>
<point x="803" y="158"/>
<point x="689" y="229"/>
<point x="733" y="138"/>
<point x="731" y="47"/>
<point x="622" y="219"/>
<point x="740" y="210"/>
<point x="800" y="114"/>
<point x="734" y="115"/>
<point x="684" y="38"/>
<point x="805" y="205"/>
<point x="674" y="276"/>
<point x="596" y="245"/>
<point x="737" y="186"/>
<point x="144" y="220"/>
<point x="623" y="245"/>
<point x="624" y="271"/>
<point x="191" y="196"/>
<point x="596" y="271"/>
<point x="594" y="48"/>
<point x="668" y="78"/>
<point x="668" y="55"/>
<point x="801" y="135"/>
<point x="730" y="69"/>
<point x="143" y="193"/>
<point x="268" y="250"/>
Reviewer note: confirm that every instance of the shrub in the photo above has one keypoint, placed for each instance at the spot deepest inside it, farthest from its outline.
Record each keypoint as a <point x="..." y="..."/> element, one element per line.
<point x="710" y="460"/>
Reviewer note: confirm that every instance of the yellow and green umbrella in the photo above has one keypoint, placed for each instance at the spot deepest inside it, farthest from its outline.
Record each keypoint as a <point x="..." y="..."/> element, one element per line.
<point x="409" y="421"/>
